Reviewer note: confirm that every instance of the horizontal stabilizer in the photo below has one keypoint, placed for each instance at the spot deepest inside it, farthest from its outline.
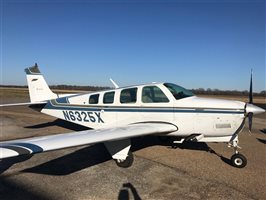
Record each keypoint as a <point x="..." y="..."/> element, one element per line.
<point x="60" y="141"/>
<point x="23" y="104"/>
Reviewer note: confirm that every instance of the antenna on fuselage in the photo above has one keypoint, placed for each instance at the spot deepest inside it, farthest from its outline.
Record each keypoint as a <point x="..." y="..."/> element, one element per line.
<point x="114" y="83"/>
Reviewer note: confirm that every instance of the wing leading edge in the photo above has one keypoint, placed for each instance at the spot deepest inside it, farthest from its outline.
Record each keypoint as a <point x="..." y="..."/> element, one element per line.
<point x="53" y="142"/>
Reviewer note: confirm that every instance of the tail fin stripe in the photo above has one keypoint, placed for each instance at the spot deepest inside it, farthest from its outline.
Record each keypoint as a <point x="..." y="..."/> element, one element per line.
<point x="34" y="70"/>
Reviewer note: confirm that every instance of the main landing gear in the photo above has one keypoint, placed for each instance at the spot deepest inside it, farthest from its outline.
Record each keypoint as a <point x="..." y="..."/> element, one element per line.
<point x="127" y="162"/>
<point x="238" y="160"/>
<point x="120" y="152"/>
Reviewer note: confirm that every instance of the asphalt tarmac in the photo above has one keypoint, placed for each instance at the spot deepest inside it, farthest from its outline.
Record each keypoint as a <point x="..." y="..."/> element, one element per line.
<point x="190" y="171"/>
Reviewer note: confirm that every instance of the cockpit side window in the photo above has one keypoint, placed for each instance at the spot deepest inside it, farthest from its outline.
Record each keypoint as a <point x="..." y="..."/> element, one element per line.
<point x="94" y="99"/>
<point x="177" y="91"/>
<point x="153" y="94"/>
<point x="109" y="97"/>
<point x="128" y="95"/>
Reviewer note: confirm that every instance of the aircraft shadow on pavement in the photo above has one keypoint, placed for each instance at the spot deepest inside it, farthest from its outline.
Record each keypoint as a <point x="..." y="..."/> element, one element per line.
<point x="81" y="159"/>
<point x="6" y="163"/>
<point x="198" y="146"/>
<point x="261" y="140"/>
<point x="96" y="154"/>
<point x="13" y="189"/>
<point x="73" y="162"/>
<point x="60" y="123"/>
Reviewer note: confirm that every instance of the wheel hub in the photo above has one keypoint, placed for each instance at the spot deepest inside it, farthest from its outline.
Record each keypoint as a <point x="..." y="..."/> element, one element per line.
<point x="238" y="161"/>
<point x="120" y="160"/>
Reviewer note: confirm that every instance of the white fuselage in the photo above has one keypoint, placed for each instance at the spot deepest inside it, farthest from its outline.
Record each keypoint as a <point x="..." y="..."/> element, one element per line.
<point x="191" y="115"/>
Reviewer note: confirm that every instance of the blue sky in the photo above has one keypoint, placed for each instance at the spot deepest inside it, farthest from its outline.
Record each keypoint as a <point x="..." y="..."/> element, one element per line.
<point x="196" y="44"/>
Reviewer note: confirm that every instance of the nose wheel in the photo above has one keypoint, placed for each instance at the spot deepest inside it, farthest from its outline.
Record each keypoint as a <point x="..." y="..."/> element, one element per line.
<point x="238" y="160"/>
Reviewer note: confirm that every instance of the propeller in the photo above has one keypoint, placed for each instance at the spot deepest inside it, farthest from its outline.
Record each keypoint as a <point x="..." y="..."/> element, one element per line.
<point x="250" y="89"/>
<point x="251" y="109"/>
<point x="250" y="114"/>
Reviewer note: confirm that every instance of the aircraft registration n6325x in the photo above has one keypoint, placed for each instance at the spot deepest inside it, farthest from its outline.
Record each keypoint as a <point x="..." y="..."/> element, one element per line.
<point x="117" y="115"/>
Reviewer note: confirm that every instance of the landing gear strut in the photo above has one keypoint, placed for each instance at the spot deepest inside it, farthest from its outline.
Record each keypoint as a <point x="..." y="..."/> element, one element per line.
<point x="127" y="162"/>
<point x="238" y="160"/>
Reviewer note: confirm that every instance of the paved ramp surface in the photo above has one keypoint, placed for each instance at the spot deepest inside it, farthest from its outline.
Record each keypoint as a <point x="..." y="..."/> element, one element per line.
<point x="191" y="171"/>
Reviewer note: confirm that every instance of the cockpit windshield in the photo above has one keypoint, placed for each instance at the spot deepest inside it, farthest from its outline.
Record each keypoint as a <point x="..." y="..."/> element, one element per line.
<point x="177" y="91"/>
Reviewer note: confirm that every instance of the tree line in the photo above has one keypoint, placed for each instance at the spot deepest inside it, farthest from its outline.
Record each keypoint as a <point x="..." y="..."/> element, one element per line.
<point x="201" y="91"/>
<point x="64" y="87"/>
<point x="210" y="91"/>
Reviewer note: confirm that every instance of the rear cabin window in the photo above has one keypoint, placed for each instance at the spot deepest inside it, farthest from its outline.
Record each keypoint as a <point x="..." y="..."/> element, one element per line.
<point x="153" y="94"/>
<point x="128" y="95"/>
<point x="109" y="97"/>
<point x="94" y="99"/>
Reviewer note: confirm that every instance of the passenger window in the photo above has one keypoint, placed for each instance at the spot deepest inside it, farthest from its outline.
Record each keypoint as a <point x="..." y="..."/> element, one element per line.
<point x="109" y="97"/>
<point x="94" y="99"/>
<point x="153" y="94"/>
<point x="128" y="95"/>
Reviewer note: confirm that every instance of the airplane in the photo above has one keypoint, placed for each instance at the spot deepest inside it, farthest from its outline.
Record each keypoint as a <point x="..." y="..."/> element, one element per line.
<point x="117" y="115"/>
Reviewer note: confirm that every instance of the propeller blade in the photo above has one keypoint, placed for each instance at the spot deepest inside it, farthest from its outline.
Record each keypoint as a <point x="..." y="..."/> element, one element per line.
<point x="250" y="116"/>
<point x="251" y="89"/>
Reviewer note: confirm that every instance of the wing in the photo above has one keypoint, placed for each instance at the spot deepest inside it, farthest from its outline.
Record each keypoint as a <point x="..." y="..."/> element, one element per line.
<point x="60" y="141"/>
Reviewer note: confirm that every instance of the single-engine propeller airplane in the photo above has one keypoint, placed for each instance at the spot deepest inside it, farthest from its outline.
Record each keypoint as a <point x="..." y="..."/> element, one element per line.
<point x="119" y="114"/>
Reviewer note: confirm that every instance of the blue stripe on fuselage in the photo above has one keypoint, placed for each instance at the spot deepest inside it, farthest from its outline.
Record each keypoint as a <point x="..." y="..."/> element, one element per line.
<point x="62" y="100"/>
<point x="138" y="109"/>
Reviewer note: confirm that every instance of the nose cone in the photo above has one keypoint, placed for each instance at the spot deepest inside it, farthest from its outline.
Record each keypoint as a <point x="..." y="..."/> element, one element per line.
<point x="250" y="108"/>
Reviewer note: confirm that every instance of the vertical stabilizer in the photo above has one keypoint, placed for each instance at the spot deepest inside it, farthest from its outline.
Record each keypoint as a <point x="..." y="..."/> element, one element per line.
<point x="38" y="88"/>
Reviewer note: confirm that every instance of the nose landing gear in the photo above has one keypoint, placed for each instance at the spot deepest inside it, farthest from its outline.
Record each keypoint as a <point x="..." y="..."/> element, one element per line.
<point x="238" y="160"/>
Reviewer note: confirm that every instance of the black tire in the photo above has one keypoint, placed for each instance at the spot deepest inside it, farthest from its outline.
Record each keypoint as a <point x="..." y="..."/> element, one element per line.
<point x="238" y="160"/>
<point x="126" y="163"/>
